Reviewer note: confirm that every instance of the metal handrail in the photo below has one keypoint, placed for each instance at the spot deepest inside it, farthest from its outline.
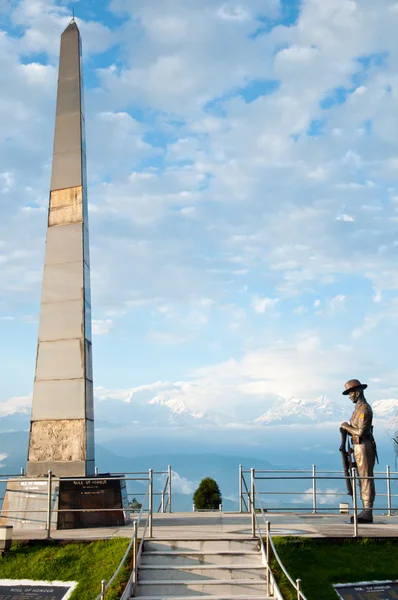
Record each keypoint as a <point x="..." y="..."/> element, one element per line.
<point x="303" y="471"/>
<point x="162" y="494"/>
<point x="313" y="475"/>
<point x="104" y="588"/>
<point x="271" y="582"/>
<point x="132" y="582"/>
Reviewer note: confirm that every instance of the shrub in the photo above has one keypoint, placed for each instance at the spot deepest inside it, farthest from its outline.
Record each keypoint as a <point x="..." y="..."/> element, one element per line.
<point x="134" y="505"/>
<point x="208" y="495"/>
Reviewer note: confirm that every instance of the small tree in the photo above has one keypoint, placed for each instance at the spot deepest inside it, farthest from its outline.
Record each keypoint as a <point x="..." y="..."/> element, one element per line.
<point x="208" y="495"/>
<point x="134" y="505"/>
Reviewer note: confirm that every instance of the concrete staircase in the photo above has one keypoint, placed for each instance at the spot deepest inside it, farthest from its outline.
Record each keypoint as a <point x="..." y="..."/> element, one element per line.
<point x="215" y="568"/>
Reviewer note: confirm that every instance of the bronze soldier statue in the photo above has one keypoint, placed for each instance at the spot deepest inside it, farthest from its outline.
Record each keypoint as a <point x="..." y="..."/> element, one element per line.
<point x="361" y="430"/>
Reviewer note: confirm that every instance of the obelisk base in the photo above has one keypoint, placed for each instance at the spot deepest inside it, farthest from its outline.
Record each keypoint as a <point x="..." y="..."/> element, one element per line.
<point x="73" y="468"/>
<point x="63" y="446"/>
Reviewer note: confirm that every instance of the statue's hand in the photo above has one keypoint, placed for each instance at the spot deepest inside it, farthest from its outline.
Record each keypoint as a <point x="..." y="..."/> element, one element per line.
<point x="344" y="425"/>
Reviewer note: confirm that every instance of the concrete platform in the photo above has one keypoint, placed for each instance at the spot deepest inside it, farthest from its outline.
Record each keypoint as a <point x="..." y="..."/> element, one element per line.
<point x="227" y="525"/>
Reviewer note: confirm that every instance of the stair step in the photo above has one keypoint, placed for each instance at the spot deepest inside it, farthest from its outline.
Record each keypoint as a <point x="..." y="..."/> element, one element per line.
<point x="213" y="572"/>
<point x="201" y="545"/>
<point x="226" y="587"/>
<point x="155" y="558"/>
<point x="199" y="552"/>
<point x="209" y="597"/>
<point x="196" y="567"/>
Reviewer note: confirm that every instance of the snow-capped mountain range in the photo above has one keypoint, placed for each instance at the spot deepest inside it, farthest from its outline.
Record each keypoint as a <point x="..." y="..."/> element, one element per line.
<point x="293" y="410"/>
<point x="162" y="409"/>
<point x="151" y="407"/>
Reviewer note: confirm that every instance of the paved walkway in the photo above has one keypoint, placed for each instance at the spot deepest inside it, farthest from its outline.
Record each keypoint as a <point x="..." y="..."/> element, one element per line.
<point x="227" y="525"/>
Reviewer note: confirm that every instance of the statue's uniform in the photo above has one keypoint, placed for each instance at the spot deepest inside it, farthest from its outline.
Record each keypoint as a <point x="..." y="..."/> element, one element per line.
<point x="361" y="430"/>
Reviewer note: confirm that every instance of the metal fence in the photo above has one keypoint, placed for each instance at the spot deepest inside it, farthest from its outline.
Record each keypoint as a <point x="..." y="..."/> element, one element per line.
<point x="248" y="477"/>
<point x="315" y="478"/>
<point x="45" y="491"/>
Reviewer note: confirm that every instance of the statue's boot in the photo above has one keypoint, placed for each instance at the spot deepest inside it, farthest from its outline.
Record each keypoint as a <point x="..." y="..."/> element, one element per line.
<point x="366" y="516"/>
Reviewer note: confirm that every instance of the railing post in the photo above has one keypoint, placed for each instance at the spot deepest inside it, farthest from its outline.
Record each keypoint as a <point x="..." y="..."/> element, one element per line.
<point x="240" y="489"/>
<point x="314" y="489"/>
<point x="169" y="478"/>
<point x="22" y="471"/>
<point x="135" y="557"/>
<point x="298" y="587"/>
<point x="267" y="547"/>
<point x="96" y="471"/>
<point x="162" y="503"/>
<point x="354" y="501"/>
<point x="49" y="499"/>
<point x="103" y="590"/>
<point x="388" y="490"/>
<point x="150" y="502"/>
<point x="249" y="494"/>
<point x="253" y="491"/>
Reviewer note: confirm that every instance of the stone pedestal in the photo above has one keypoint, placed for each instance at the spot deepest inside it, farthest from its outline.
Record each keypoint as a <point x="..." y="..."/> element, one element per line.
<point x="99" y="493"/>
<point x="75" y="504"/>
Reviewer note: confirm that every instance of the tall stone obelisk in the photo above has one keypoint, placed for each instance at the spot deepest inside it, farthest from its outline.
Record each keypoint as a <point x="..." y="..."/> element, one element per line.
<point x="62" y="421"/>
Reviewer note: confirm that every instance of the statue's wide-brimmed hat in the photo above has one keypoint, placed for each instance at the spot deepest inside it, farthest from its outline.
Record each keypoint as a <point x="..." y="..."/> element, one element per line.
<point x="354" y="385"/>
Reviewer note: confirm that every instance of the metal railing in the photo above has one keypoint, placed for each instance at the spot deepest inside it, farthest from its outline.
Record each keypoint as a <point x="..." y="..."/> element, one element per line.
<point x="272" y="586"/>
<point x="45" y="491"/>
<point x="129" y="589"/>
<point x="315" y="477"/>
<point x="166" y="492"/>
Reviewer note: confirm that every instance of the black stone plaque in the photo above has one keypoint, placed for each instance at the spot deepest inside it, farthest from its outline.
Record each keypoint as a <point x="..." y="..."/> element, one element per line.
<point x="96" y="493"/>
<point x="33" y="591"/>
<point x="376" y="590"/>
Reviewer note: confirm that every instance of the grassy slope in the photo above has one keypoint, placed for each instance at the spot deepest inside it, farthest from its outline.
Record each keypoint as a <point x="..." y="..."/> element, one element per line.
<point x="86" y="563"/>
<point x="320" y="563"/>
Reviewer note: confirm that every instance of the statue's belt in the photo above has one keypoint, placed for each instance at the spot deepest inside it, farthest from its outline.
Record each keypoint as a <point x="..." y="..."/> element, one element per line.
<point x="356" y="439"/>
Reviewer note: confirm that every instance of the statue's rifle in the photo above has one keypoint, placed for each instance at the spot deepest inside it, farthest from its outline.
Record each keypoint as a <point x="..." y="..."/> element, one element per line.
<point x="346" y="456"/>
<point x="374" y="445"/>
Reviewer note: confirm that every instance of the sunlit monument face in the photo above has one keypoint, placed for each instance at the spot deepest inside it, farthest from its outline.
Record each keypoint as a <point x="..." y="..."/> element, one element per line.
<point x="62" y="421"/>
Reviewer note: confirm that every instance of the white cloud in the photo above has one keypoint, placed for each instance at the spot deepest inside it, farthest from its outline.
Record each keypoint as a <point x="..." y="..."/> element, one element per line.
<point x="346" y="218"/>
<point x="261" y="305"/>
<point x="182" y="485"/>
<point x="20" y="404"/>
<point x="337" y="303"/>
<point x="166" y="338"/>
<point x="370" y="322"/>
<point x="300" y="310"/>
<point x="102" y="326"/>
<point x="326" y="496"/>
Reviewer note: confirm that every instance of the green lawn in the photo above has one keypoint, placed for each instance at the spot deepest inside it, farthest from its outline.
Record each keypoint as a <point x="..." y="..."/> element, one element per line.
<point x="86" y="563"/>
<point x="321" y="562"/>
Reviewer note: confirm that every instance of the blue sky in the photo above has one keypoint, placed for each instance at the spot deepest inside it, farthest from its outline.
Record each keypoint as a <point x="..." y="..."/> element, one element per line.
<point x="243" y="190"/>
